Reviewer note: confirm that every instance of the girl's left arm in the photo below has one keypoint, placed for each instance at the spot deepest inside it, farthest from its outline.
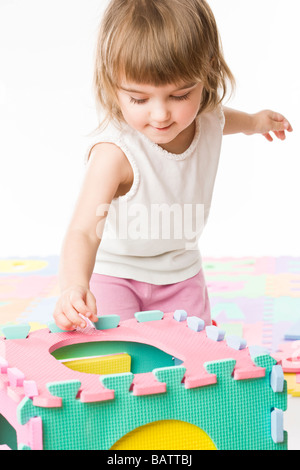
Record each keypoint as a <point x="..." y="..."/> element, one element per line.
<point x="263" y="122"/>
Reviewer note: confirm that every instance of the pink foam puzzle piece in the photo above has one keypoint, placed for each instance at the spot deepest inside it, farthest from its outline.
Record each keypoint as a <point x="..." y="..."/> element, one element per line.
<point x="4" y="382"/>
<point x="94" y="393"/>
<point x="26" y="287"/>
<point x="36" y="433"/>
<point x="15" y="393"/>
<point x="146" y="384"/>
<point x="15" y="377"/>
<point x="30" y="388"/>
<point x="3" y="365"/>
<point x="32" y="357"/>
<point x="289" y="355"/>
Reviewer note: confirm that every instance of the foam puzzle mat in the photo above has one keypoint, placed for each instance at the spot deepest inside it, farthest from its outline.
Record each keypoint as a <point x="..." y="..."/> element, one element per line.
<point x="255" y="298"/>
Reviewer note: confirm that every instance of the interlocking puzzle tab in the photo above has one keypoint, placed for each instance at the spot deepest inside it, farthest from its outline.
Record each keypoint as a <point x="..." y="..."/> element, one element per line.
<point x="183" y="387"/>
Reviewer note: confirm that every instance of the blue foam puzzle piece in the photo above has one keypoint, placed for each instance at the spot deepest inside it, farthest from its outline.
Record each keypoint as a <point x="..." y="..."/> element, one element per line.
<point x="277" y="378"/>
<point x="277" y="431"/>
<point x="236" y="342"/>
<point x="215" y="333"/>
<point x="195" y="323"/>
<point x="180" y="315"/>
<point x="257" y="351"/>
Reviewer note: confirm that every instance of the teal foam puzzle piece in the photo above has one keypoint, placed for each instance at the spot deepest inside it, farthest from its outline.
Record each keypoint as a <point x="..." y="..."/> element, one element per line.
<point x="172" y="376"/>
<point x="221" y="368"/>
<point x="118" y="382"/>
<point x="54" y="328"/>
<point x="266" y="361"/>
<point x="107" y="322"/>
<point x="150" y="315"/>
<point x="236" y="414"/>
<point x="67" y="390"/>
<point x="11" y="331"/>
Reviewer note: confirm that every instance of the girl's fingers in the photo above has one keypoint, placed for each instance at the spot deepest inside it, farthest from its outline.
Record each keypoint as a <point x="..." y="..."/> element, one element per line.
<point x="87" y="308"/>
<point x="92" y="306"/>
<point x="283" y="123"/>
<point x="73" y="316"/>
<point x="80" y="305"/>
<point x="277" y="116"/>
<point x="268" y="137"/>
<point x="62" y="321"/>
<point x="280" y="134"/>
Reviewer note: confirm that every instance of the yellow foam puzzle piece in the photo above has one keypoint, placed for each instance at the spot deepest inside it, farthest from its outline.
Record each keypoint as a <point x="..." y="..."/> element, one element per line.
<point x="111" y="364"/>
<point x="166" y="435"/>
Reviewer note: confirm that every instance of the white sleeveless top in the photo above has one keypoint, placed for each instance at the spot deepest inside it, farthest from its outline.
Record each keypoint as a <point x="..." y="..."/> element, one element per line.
<point x="151" y="233"/>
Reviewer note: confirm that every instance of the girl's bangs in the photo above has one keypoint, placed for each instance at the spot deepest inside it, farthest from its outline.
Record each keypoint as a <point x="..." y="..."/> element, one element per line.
<point x="155" y="65"/>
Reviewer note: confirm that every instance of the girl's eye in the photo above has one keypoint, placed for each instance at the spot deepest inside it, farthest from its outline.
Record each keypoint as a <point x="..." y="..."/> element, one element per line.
<point x="175" y="98"/>
<point x="182" y="97"/>
<point x="135" y="101"/>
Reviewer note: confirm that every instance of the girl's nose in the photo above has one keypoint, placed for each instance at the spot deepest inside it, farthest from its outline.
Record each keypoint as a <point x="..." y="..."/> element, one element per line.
<point x="160" y="113"/>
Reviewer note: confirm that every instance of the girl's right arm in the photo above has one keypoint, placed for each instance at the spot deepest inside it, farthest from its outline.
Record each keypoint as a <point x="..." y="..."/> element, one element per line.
<point x="107" y="170"/>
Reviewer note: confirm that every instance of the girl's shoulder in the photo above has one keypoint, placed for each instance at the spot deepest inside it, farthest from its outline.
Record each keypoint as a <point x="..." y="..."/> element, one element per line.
<point x="214" y="118"/>
<point x="106" y="148"/>
<point x="110" y="134"/>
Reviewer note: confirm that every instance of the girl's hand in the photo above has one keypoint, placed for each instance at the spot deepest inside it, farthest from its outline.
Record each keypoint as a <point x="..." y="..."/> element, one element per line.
<point x="269" y="121"/>
<point x="72" y="302"/>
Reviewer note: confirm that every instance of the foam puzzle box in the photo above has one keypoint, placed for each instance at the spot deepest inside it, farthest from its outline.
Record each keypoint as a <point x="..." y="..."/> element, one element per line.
<point x="66" y="381"/>
<point x="158" y="381"/>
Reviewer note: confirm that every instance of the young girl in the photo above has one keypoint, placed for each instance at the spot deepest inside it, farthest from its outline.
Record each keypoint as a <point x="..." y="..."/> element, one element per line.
<point x="132" y="243"/>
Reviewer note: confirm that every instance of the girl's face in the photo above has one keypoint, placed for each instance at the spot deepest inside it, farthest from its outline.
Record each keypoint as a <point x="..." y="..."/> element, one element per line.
<point x="165" y="114"/>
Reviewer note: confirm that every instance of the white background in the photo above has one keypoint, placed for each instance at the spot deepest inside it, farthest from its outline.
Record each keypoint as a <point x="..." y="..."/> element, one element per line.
<point x="47" y="111"/>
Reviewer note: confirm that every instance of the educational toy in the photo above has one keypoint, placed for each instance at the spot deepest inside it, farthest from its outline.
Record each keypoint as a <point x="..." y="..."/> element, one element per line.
<point x="217" y="396"/>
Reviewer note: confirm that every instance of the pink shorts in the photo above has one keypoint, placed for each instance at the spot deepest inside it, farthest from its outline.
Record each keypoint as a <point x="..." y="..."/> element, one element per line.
<point x="124" y="297"/>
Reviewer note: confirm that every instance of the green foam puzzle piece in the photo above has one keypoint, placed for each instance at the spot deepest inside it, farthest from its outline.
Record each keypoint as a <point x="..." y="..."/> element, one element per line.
<point x="236" y="414"/>
<point x="23" y="447"/>
<point x="118" y="382"/>
<point x="54" y="328"/>
<point x="170" y="375"/>
<point x="107" y="322"/>
<point x="265" y="360"/>
<point x="149" y="315"/>
<point x="221" y="368"/>
<point x="66" y="390"/>
<point x="11" y="331"/>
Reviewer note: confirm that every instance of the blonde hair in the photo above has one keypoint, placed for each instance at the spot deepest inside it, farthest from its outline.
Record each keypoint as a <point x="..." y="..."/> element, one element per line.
<point x="159" y="42"/>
